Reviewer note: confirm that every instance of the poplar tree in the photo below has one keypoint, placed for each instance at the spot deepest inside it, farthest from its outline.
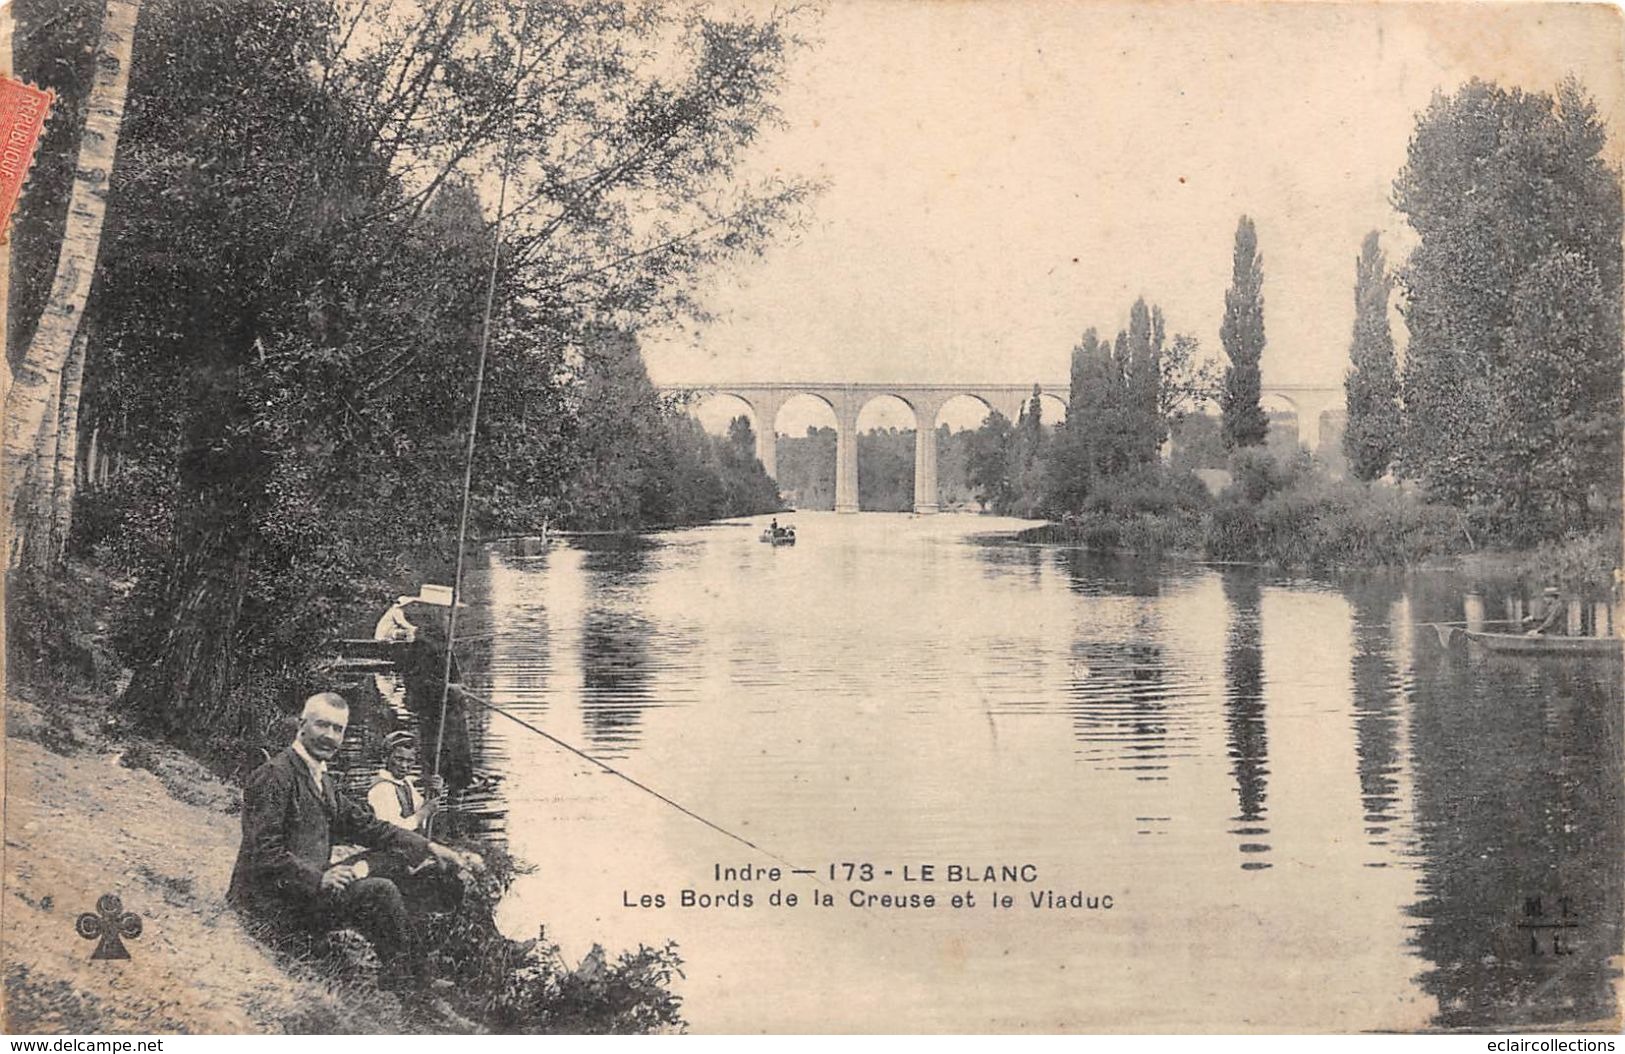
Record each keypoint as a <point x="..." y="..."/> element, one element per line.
<point x="1142" y="377"/>
<point x="1371" y="438"/>
<point x="1069" y="470"/>
<point x="1242" y="334"/>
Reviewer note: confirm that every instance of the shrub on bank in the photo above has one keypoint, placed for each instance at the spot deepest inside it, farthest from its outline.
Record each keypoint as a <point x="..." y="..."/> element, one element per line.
<point x="1155" y="511"/>
<point x="1230" y="530"/>
<point x="1257" y="473"/>
<point x="1141" y="532"/>
<point x="1307" y="520"/>
<point x="527" y="986"/>
<point x="54" y="629"/>
<point x="1583" y="564"/>
<point x="1158" y="493"/>
<point x="1278" y="509"/>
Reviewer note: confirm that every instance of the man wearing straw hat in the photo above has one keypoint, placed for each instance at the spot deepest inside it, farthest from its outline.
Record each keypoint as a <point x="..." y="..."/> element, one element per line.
<point x="1554" y="610"/>
<point x="395" y="626"/>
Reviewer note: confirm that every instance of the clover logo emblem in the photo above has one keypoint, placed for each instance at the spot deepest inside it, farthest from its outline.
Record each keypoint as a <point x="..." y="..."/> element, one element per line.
<point x="106" y="925"/>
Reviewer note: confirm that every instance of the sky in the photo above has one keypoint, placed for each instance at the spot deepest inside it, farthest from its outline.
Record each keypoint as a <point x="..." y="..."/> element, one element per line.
<point x="1002" y="176"/>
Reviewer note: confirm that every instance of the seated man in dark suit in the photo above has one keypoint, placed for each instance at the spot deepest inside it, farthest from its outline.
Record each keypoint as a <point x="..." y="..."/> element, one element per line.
<point x="293" y="814"/>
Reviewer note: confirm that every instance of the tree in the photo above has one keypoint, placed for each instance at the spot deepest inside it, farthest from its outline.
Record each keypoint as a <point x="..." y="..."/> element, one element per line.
<point x="1030" y="427"/>
<point x="293" y="283"/>
<point x="807" y="468"/>
<point x="886" y="483"/>
<point x="1189" y="382"/>
<point x="1242" y="334"/>
<point x="1108" y="425"/>
<point x="1125" y="402"/>
<point x="988" y="462"/>
<point x="1028" y="453"/>
<point x="953" y="475"/>
<point x="621" y="435"/>
<point x="1198" y="442"/>
<point x="1564" y="339"/>
<point x="36" y="391"/>
<point x="1070" y="472"/>
<point x="747" y="488"/>
<point x="1511" y="384"/>
<point x="1142" y="376"/>
<point x="1371" y="389"/>
<point x="741" y="436"/>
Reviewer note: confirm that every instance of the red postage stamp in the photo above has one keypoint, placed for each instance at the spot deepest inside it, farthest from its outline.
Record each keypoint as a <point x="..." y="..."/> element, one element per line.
<point x="23" y="109"/>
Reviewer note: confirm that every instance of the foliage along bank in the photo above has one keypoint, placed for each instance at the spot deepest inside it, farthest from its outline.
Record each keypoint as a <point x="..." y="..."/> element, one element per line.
<point x="1503" y="428"/>
<point x="277" y="354"/>
<point x="280" y="342"/>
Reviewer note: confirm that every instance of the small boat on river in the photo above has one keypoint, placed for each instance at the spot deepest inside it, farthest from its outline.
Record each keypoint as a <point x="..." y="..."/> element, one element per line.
<point x="1544" y="644"/>
<point x="781" y="536"/>
<point x="1568" y="627"/>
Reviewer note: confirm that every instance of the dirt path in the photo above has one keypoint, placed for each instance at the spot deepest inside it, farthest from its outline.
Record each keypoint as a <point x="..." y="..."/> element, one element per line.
<point x="79" y="823"/>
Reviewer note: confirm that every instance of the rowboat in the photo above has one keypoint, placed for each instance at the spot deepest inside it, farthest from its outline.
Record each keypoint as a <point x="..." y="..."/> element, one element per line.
<point x="785" y="536"/>
<point x="1544" y="644"/>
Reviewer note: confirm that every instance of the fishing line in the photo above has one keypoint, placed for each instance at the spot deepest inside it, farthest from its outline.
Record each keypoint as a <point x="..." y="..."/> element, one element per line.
<point x="685" y="810"/>
<point x="479" y="385"/>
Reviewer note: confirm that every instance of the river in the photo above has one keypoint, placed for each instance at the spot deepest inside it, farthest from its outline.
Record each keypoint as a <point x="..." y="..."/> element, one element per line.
<point x="1302" y="811"/>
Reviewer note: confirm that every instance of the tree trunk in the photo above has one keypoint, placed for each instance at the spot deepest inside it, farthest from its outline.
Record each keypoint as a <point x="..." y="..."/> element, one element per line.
<point x="40" y="368"/>
<point x="66" y="468"/>
<point x="30" y="529"/>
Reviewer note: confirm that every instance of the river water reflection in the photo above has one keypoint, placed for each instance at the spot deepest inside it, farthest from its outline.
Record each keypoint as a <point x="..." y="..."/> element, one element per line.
<point x="1307" y="814"/>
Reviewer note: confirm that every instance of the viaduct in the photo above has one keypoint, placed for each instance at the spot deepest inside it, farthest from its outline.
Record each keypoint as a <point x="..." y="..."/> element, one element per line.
<point x="1311" y="402"/>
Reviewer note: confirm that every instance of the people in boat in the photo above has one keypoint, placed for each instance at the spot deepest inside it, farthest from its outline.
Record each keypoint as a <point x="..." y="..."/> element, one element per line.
<point x="1555" y="609"/>
<point x="394" y="625"/>
<point x="293" y="813"/>
<point x="395" y="796"/>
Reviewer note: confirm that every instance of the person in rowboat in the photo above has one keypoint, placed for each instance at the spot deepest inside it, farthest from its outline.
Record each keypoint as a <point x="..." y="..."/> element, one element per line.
<point x="394" y="625"/>
<point x="1555" y="609"/>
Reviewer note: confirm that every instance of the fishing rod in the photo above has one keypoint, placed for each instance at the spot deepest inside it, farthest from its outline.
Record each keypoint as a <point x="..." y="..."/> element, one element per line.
<point x="462" y="528"/>
<point x="479" y="385"/>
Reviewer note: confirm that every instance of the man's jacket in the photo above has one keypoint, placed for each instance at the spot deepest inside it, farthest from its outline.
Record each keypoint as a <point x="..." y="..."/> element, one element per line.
<point x="289" y="830"/>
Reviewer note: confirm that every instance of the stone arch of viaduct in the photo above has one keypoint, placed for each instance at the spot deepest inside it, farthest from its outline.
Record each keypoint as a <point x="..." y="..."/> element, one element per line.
<point x="926" y="401"/>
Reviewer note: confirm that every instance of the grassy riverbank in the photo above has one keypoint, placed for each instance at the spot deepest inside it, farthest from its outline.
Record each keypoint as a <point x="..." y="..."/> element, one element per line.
<point x="92" y="806"/>
<point x="1287" y="514"/>
<point x="89" y="812"/>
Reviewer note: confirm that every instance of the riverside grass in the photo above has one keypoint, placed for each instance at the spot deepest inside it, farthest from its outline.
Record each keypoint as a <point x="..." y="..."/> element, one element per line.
<point x="94" y="806"/>
<point x="1284" y="512"/>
